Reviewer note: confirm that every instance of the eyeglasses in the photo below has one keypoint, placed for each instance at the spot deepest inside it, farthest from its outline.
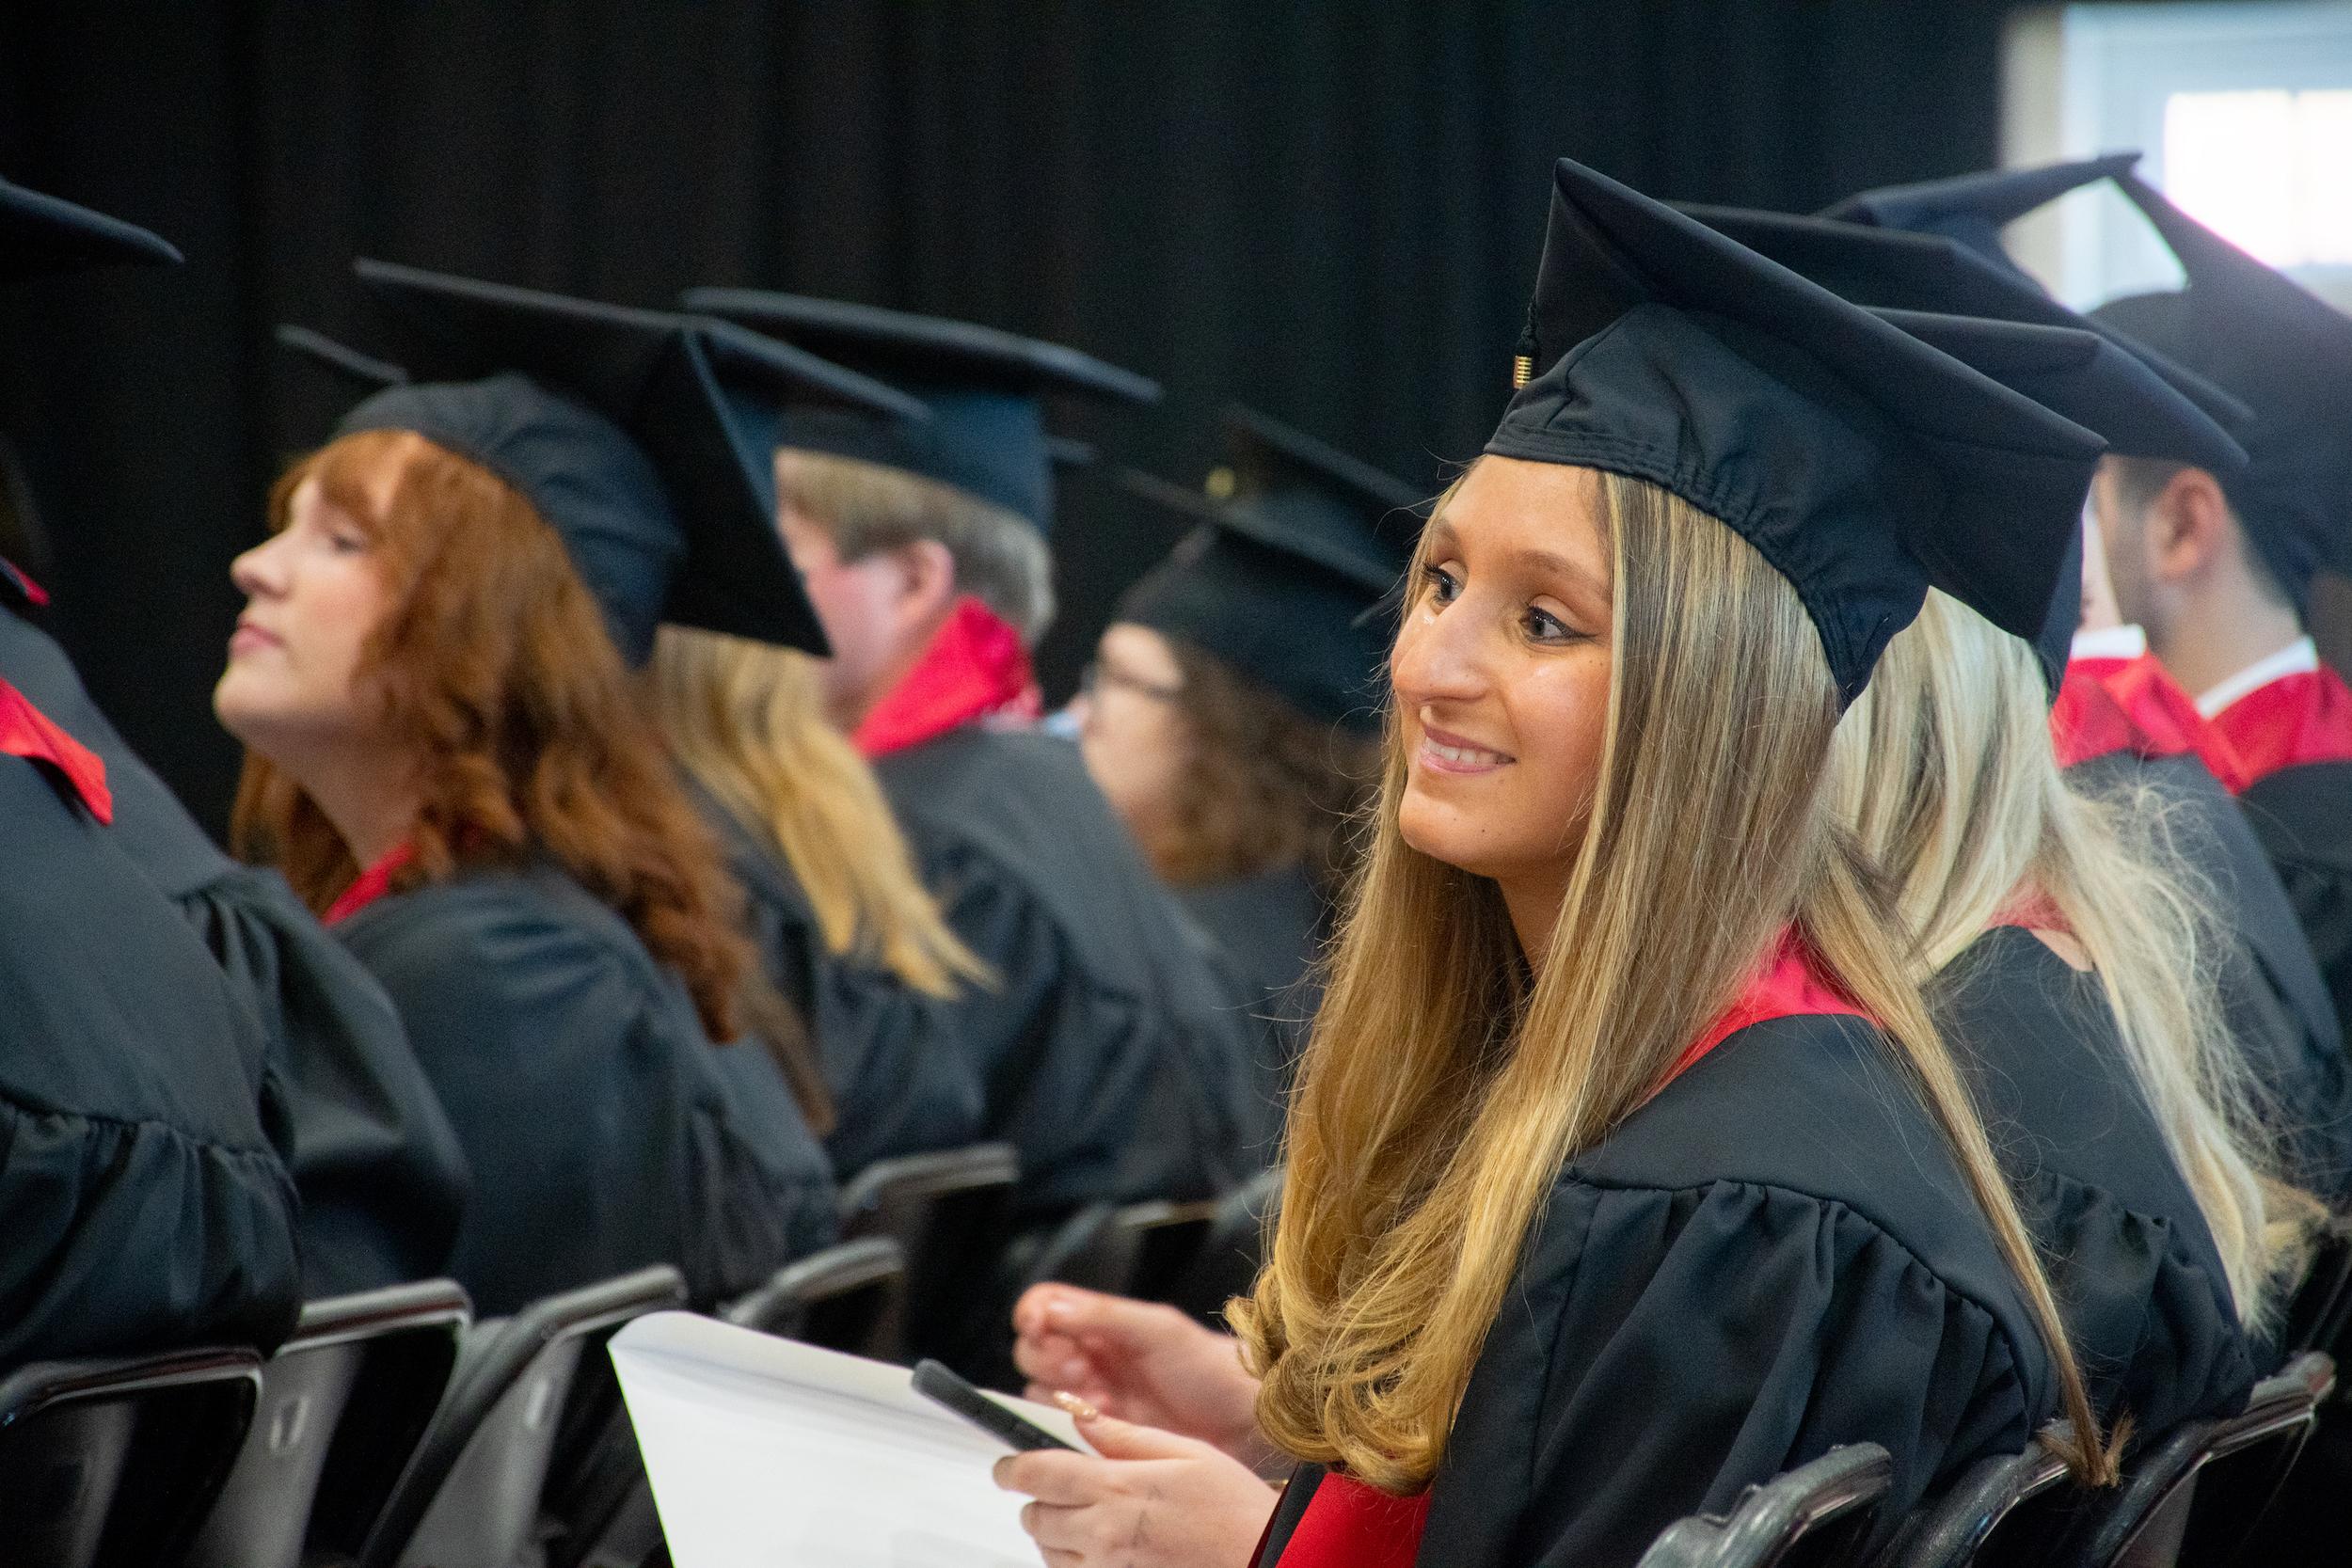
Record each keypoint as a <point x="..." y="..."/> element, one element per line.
<point x="1096" y="675"/>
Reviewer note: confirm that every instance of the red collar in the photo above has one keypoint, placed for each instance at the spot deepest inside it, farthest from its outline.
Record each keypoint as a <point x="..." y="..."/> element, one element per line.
<point x="2297" y="719"/>
<point x="2031" y="911"/>
<point x="2107" y="706"/>
<point x="1349" y="1525"/>
<point x="370" y="885"/>
<point x="1789" y="984"/>
<point x="973" y="668"/>
<point x="28" y="733"/>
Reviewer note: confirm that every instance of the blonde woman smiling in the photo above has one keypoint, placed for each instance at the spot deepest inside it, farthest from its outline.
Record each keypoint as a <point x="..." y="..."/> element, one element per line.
<point x="1627" y="1166"/>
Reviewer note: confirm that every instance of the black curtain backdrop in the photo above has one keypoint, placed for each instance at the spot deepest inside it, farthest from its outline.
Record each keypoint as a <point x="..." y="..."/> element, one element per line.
<point x="1329" y="211"/>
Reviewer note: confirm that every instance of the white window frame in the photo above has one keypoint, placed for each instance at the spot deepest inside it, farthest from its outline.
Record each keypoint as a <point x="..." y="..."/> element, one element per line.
<point x="2085" y="79"/>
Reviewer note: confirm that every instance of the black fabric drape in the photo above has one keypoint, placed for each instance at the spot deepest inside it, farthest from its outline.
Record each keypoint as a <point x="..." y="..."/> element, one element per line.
<point x="1328" y="210"/>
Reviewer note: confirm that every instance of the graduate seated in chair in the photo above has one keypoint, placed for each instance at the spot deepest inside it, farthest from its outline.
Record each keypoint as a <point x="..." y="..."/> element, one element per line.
<point x="145" y="1207"/>
<point x="1629" y="1163"/>
<point x="1116" y="1055"/>
<point x="2121" y="721"/>
<point x="2061" y="944"/>
<point x="379" y="1172"/>
<point x="2215" y="568"/>
<point x="2058" y="946"/>
<point x="2066" y="944"/>
<point x="449" y="757"/>
<point x="845" y="926"/>
<point x="1232" y="713"/>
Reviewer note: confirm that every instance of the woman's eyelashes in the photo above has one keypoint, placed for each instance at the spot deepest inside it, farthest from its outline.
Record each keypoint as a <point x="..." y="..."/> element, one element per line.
<point x="1543" y="627"/>
<point x="1442" y="584"/>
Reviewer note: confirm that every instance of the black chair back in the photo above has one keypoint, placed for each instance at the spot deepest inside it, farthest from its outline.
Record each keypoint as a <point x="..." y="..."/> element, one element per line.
<point x="1997" y="1505"/>
<point x="1225" y="1265"/>
<point x="2315" y="1317"/>
<point x="850" y="1297"/>
<point x="72" y="1434"/>
<point x="1137" y="1249"/>
<point x="343" y="1404"/>
<point x="951" y="1215"/>
<point x="2196" y="1493"/>
<point x="472" y="1491"/>
<point x="1818" y="1516"/>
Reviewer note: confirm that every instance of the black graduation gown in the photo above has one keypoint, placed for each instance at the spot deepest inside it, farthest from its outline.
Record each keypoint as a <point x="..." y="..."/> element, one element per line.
<point x="1268" y="929"/>
<point x="142" y="1205"/>
<point x="381" y="1177"/>
<point x="2275" y="1000"/>
<point x="1773" y="1256"/>
<point x="900" y="1082"/>
<point x="605" y="1130"/>
<point x="2303" y="816"/>
<point x="1116" y="1058"/>
<point x="2131" y="1259"/>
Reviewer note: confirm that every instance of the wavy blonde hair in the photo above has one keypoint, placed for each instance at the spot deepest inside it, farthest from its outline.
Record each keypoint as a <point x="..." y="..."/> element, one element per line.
<point x="1943" y="769"/>
<point x="1446" y="1082"/>
<point x="747" y="720"/>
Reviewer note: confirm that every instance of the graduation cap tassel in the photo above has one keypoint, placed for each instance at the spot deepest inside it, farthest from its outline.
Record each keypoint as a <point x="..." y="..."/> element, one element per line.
<point x="1523" y="356"/>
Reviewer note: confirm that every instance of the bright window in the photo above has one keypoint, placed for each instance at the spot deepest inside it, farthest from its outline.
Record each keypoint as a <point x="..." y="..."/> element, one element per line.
<point x="2269" y="169"/>
<point x="2242" y="113"/>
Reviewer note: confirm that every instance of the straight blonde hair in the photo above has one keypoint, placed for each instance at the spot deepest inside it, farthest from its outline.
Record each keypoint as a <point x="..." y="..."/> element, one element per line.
<point x="1446" y="1080"/>
<point x="1944" y="771"/>
<point x="746" y="720"/>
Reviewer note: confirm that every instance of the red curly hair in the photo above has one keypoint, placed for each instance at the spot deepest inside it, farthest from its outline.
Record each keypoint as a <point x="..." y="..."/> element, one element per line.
<point x="492" y="667"/>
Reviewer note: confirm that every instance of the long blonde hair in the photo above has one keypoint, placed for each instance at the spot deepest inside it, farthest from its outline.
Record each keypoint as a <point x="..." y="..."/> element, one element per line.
<point x="1943" y="769"/>
<point x="1445" y="1081"/>
<point x="747" y="721"/>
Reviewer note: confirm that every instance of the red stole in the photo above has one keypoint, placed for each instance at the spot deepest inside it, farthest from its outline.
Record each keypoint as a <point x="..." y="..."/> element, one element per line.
<point x="2297" y="719"/>
<point x="1349" y="1525"/>
<point x="2132" y="705"/>
<point x="370" y="885"/>
<point x="28" y="733"/>
<point x="973" y="668"/>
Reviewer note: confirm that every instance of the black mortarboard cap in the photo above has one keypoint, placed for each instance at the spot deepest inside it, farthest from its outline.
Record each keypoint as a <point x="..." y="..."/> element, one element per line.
<point x="1865" y="466"/>
<point x="356" y="372"/>
<point x="41" y="234"/>
<point x="2086" y="378"/>
<point x="1892" y="269"/>
<point x="1974" y="208"/>
<point x="643" y="438"/>
<point x="984" y="388"/>
<point x="2287" y="354"/>
<point x="1284" y="572"/>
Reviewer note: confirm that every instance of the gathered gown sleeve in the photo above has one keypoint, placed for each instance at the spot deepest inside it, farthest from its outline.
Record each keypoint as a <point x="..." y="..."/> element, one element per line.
<point x="603" y="1132"/>
<point x="1675" y="1346"/>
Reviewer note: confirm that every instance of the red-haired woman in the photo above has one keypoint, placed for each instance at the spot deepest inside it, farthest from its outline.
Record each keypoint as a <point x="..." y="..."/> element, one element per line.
<point x="448" y="758"/>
